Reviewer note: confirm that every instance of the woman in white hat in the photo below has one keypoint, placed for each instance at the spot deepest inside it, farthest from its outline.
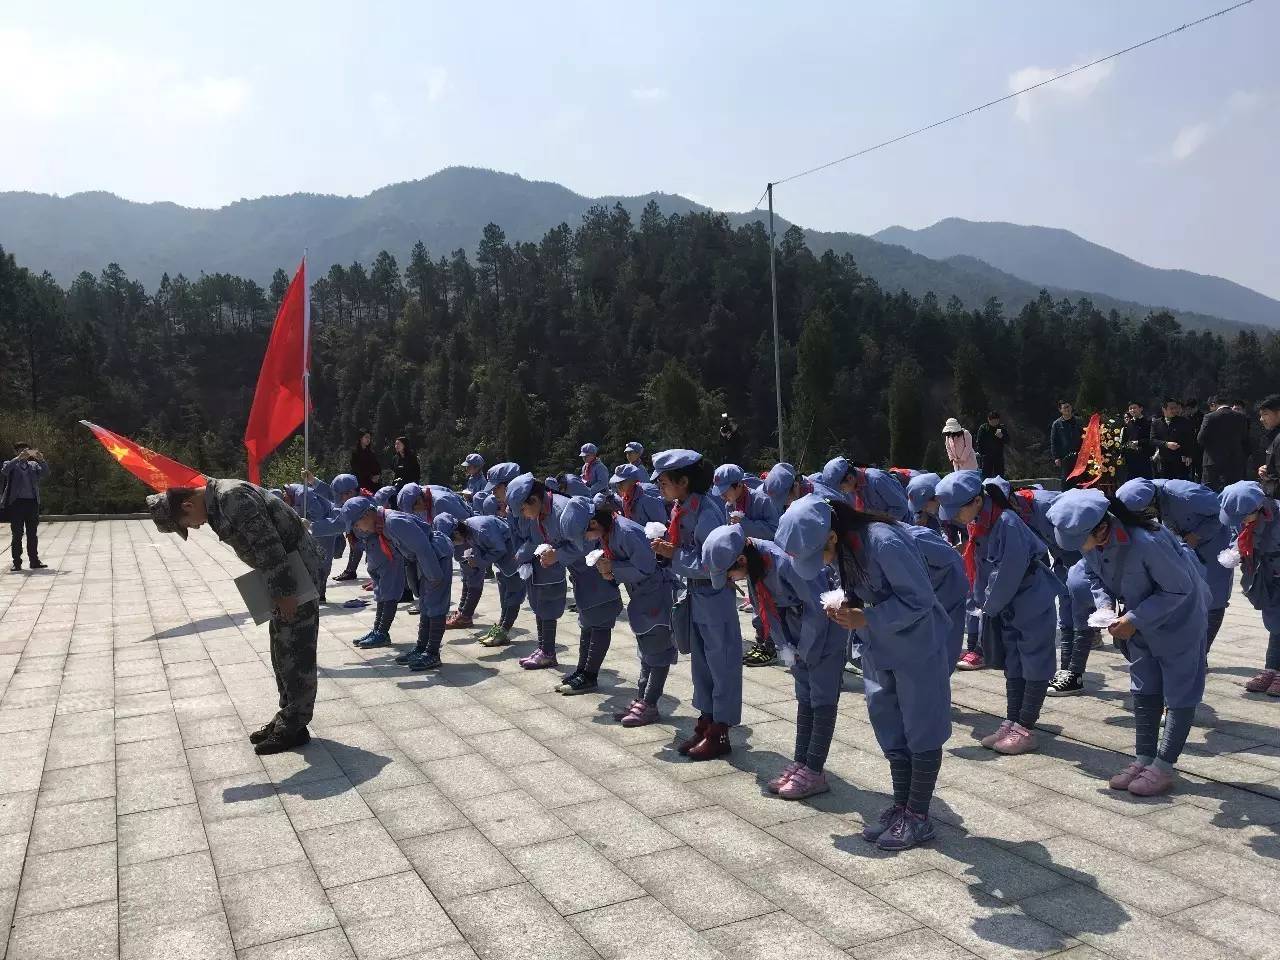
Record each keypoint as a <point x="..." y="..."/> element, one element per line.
<point x="959" y="444"/>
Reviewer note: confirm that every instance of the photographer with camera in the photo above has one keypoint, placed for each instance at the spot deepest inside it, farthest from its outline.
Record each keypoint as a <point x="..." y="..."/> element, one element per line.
<point x="20" y="501"/>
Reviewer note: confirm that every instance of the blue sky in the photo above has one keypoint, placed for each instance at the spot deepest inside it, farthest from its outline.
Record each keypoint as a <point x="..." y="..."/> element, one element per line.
<point x="1169" y="154"/>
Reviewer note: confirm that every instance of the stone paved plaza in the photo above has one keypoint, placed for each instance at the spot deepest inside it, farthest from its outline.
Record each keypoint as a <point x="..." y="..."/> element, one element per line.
<point x="477" y="814"/>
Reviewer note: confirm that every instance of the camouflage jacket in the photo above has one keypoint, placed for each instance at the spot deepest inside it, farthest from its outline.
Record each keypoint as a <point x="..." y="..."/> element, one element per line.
<point x="263" y="531"/>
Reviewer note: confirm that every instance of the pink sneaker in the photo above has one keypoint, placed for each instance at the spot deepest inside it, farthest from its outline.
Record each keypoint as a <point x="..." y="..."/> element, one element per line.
<point x="972" y="660"/>
<point x="1151" y="783"/>
<point x="804" y="783"/>
<point x="1274" y="689"/>
<point x="538" y="660"/>
<point x="630" y="708"/>
<point x="641" y="715"/>
<point x="1262" y="682"/>
<point x="789" y="771"/>
<point x="1126" y="776"/>
<point x="991" y="739"/>
<point x="1018" y="740"/>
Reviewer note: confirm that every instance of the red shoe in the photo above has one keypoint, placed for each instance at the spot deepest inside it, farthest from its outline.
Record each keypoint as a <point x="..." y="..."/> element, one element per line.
<point x="972" y="660"/>
<point x="456" y="621"/>
<point x="367" y="586"/>
<point x="699" y="734"/>
<point x="1262" y="682"/>
<point x="714" y="744"/>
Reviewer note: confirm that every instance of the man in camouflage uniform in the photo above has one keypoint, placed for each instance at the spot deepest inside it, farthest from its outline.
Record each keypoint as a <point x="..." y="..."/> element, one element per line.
<point x="263" y="531"/>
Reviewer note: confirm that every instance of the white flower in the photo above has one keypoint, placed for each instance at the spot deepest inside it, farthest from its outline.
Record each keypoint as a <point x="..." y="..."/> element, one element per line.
<point x="1102" y="618"/>
<point x="655" y="530"/>
<point x="832" y="599"/>
<point x="542" y="548"/>
<point x="1230" y="557"/>
<point x="526" y="571"/>
<point x="593" y="557"/>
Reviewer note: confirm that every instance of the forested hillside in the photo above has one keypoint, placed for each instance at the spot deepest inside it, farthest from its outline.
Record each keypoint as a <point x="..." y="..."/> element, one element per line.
<point x="606" y="331"/>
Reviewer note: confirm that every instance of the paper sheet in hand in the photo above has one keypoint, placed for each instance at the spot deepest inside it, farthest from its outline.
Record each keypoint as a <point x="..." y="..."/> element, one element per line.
<point x="257" y="598"/>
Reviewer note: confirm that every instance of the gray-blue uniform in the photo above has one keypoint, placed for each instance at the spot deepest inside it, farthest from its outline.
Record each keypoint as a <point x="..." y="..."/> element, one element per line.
<point x="1166" y="598"/>
<point x="1188" y="508"/>
<point x="778" y="484"/>
<point x="343" y="487"/>
<point x="594" y="473"/>
<point x="489" y="542"/>
<point x="923" y="488"/>
<point x="641" y="502"/>
<point x="475" y="482"/>
<point x="946" y="573"/>
<point x="428" y="553"/>
<point x="548" y="587"/>
<point x="1260" y="555"/>
<point x="431" y="501"/>
<point x="759" y="516"/>
<point x="649" y="593"/>
<point x="599" y="601"/>
<point x="715" y="648"/>
<point x="325" y="528"/>
<point x="385" y="566"/>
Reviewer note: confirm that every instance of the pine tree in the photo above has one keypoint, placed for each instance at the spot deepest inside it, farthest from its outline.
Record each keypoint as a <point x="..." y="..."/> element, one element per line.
<point x="906" y="418"/>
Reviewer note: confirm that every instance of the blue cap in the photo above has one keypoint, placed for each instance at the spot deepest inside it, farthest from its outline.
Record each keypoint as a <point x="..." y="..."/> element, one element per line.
<point x="779" y="481"/>
<point x="673" y="460"/>
<point x="1136" y="494"/>
<point x="408" y="496"/>
<point x="473" y="460"/>
<point x="344" y="483"/>
<point x="634" y="447"/>
<point x="922" y="488"/>
<point x="518" y="490"/>
<point x="552" y="483"/>
<point x="628" y="471"/>
<point x="727" y="474"/>
<point x="500" y="473"/>
<point x="275" y="492"/>
<point x="1238" y="500"/>
<point x="883" y="493"/>
<point x="353" y="510"/>
<point x="721" y="551"/>
<point x="605" y="501"/>
<point x="384" y="496"/>
<point x="955" y="490"/>
<point x="588" y="450"/>
<point x="834" y="472"/>
<point x="294" y="492"/>
<point x="1074" y="515"/>
<point x="574" y="518"/>
<point x="802" y="533"/>
<point x="445" y="523"/>
<point x="1001" y="484"/>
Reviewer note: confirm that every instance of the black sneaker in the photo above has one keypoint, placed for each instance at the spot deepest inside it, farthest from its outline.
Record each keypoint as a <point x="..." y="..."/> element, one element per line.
<point x="1065" y="684"/>
<point x="344" y="576"/>
<point x="17" y="566"/>
<point x="579" y="683"/>
<point x="762" y="654"/>
<point x="37" y="565"/>
<point x="854" y="667"/>
<point x="426" y="661"/>
<point x="261" y="734"/>
<point x="280" y="741"/>
<point x="412" y="654"/>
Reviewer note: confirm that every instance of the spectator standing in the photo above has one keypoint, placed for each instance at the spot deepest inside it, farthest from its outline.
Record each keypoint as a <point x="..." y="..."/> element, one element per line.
<point x="1173" y="442"/>
<point x="1192" y="413"/>
<point x="1064" y="440"/>
<point x="405" y="466"/>
<point x="1269" y="472"/>
<point x="20" y="501"/>
<point x="993" y="437"/>
<point x="364" y="463"/>
<point x="1135" y="440"/>
<point x="1223" y="439"/>
<point x="959" y="444"/>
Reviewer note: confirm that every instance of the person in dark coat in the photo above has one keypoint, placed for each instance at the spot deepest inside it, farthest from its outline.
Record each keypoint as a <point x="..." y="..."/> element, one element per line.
<point x="1269" y="472"/>
<point x="1224" y="440"/>
<point x="1172" y="442"/>
<point x="993" y="437"/>
<point x="1192" y="413"/>
<point x="1064" y="440"/>
<point x="20" y="480"/>
<point x="1135" y="440"/>
<point x="364" y="463"/>
<point x="405" y="467"/>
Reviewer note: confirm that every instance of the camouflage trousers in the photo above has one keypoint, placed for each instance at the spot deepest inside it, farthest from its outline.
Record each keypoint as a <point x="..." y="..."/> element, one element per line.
<point x="293" y="658"/>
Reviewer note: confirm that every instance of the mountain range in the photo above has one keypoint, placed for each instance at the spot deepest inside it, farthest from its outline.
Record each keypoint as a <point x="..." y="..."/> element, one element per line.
<point x="449" y="210"/>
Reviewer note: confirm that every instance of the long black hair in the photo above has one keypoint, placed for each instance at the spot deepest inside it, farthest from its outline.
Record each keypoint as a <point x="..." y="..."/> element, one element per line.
<point x="604" y="517"/>
<point x="754" y="558"/>
<point x="851" y="525"/>
<point x="537" y="489"/>
<point x="700" y="474"/>
<point x="1129" y="518"/>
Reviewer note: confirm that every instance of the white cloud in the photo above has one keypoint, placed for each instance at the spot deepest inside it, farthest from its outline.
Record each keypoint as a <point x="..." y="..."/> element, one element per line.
<point x="1078" y="86"/>
<point x="1244" y="101"/>
<point x="437" y="84"/>
<point x="648" y="94"/>
<point x="41" y="79"/>
<point x="1189" y="140"/>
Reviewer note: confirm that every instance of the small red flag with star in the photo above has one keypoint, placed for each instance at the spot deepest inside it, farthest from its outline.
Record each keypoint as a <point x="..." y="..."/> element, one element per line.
<point x="155" y="470"/>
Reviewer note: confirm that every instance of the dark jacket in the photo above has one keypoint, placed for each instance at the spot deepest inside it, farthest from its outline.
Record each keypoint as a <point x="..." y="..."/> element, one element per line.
<point x="1271" y="485"/>
<point x="989" y="444"/>
<point x="262" y="531"/>
<point x="1224" y="438"/>
<point x="1064" y="438"/>
<point x="1170" y="464"/>
<point x="1135" y="439"/>
<point x="406" y="469"/>
<point x="367" y="469"/>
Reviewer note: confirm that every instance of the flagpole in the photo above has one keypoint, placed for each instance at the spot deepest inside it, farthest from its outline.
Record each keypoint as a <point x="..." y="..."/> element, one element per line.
<point x="306" y="381"/>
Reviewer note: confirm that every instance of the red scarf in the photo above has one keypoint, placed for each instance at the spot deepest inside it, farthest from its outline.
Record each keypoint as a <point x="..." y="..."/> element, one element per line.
<point x="379" y="527"/>
<point x="1244" y="542"/>
<point x="543" y="514"/>
<point x="768" y="606"/>
<point x="1024" y="501"/>
<point x="978" y="528"/>
<point x="629" y="501"/>
<point x="586" y="470"/>
<point x="741" y="503"/>
<point x="604" y="544"/>
<point x="859" y="484"/>
<point x="431" y="504"/>
<point x="678" y="511"/>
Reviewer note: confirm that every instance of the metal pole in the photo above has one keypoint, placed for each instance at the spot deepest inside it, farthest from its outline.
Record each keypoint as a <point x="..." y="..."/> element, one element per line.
<point x="777" y="365"/>
<point x="306" y="381"/>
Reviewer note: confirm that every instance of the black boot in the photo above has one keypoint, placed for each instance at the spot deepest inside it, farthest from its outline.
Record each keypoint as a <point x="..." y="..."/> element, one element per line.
<point x="261" y="734"/>
<point x="279" y="741"/>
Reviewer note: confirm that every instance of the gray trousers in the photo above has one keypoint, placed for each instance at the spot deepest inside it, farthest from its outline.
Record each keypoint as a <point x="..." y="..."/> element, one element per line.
<point x="293" y="658"/>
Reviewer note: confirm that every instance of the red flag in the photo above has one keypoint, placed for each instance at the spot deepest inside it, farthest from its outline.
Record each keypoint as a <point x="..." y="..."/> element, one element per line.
<point x="155" y="470"/>
<point x="1090" y="449"/>
<point x="279" y="402"/>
